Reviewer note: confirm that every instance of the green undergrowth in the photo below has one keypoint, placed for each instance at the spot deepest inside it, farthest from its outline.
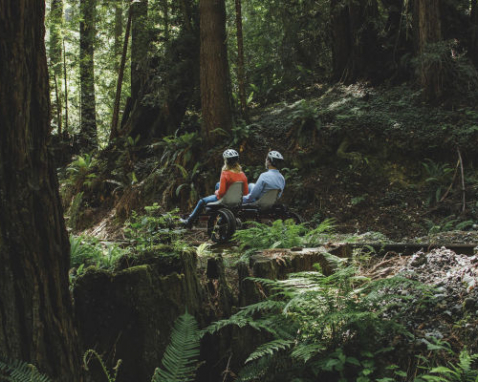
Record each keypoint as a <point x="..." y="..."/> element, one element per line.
<point x="342" y="327"/>
<point x="151" y="233"/>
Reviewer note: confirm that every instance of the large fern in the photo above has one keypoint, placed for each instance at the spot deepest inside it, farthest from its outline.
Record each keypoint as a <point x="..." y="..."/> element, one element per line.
<point x="19" y="371"/>
<point x="310" y="315"/>
<point x="180" y="358"/>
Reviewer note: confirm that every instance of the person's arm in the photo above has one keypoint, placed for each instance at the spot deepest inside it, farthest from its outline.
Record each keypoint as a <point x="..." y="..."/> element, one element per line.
<point x="222" y="186"/>
<point x="283" y="187"/>
<point x="256" y="191"/>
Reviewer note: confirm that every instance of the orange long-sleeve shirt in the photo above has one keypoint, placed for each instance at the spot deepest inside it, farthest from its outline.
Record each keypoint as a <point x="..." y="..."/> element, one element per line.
<point x="228" y="178"/>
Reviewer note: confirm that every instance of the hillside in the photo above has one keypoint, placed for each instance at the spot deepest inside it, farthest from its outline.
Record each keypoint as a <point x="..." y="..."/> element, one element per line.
<point x="373" y="159"/>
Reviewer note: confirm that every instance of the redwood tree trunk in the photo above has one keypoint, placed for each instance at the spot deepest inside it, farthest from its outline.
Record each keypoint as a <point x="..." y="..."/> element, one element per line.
<point x="118" y="33"/>
<point x="35" y="307"/>
<point x="355" y="41"/>
<point x="56" y="15"/>
<point x="119" y="84"/>
<point x="215" y="105"/>
<point x="139" y="46"/>
<point x="474" y="33"/>
<point x="88" y="128"/>
<point x="240" y="61"/>
<point x="427" y="30"/>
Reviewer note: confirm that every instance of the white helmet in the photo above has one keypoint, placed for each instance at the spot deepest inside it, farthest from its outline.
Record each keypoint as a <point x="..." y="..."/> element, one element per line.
<point x="230" y="153"/>
<point x="275" y="155"/>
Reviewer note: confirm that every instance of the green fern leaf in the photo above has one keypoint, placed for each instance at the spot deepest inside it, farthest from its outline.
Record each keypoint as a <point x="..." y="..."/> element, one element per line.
<point x="270" y="348"/>
<point x="19" y="371"/>
<point x="180" y="358"/>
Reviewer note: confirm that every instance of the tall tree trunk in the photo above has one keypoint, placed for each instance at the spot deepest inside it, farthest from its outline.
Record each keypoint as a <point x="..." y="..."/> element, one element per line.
<point x="139" y="46"/>
<point x="214" y="72"/>
<point x="118" y="44"/>
<point x="240" y="61"/>
<point x="165" y="6"/>
<point x="474" y="32"/>
<point x="186" y="11"/>
<point x="341" y="47"/>
<point x="36" y="322"/>
<point x="119" y="84"/>
<point x="427" y="31"/>
<point x="65" y="79"/>
<point x="56" y="25"/>
<point x="355" y="41"/>
<point x="88" y="128"/>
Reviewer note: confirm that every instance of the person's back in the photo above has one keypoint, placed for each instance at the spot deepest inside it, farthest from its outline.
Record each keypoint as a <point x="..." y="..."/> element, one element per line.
<point x="231" y="172"/>
<point x="272" y="179"/>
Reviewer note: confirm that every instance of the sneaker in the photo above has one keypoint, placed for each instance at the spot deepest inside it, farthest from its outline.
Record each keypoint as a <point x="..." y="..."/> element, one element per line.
<point x="185" y="222"/>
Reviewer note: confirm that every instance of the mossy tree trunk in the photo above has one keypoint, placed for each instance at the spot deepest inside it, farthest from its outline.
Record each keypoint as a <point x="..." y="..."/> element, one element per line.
<point x="88" y="128"/>
<point x="35" y="306"/>
<point x="427" y="31"/>
<point x="214" y="71"/>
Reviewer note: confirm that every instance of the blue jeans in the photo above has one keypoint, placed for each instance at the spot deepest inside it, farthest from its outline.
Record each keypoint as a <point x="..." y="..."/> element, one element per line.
<point x="208" y="199"/>
<point x="201" y="204"/>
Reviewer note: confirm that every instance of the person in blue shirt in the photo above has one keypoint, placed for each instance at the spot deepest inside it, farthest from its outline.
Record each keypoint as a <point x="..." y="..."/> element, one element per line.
<point x="272" y="179"/>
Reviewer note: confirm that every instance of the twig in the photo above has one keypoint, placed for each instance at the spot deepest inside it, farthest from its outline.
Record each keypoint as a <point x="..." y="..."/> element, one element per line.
<point x="462" y="179"/>
<point x="227" y="371"/>
<point x="452" y="182"/>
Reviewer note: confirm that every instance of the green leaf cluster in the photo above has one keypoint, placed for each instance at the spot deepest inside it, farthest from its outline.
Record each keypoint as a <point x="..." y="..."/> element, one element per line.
<point x="316" y="321"/>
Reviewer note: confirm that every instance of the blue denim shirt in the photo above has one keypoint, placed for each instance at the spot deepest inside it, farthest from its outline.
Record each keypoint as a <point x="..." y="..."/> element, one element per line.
<point x="269" y="180"/>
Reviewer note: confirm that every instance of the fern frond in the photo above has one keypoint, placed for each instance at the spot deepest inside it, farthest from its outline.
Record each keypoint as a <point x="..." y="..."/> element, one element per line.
<point x="253" y="371"/>
<point x="270" y="348"/>
<point x="20" y="371"/>
<point x="305" y="351"/>
<point x="180" y="358"/>
<point x="94" y="353"/>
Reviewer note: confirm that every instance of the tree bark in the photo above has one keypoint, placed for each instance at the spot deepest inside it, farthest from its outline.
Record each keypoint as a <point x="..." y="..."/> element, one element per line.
<point x="65" y="79"/>
<point x="139" y="46"/>
<point x="114" y="122"/>
<point x="118" y="44"/>
<point x="240" y="61"/>
<point x="474" y="33"/>
<point x="36" y="322"/>
<point x="427" y="31"/>
<point x="56" y="23"/>
<point x="165" y="7"/>
<point x="88" y="128"/>
<point x="214" y="72"/>
<point x="355" y="41"/>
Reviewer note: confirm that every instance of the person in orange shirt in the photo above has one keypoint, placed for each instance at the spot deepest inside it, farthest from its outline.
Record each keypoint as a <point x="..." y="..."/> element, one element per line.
<point x="231" y="172"/>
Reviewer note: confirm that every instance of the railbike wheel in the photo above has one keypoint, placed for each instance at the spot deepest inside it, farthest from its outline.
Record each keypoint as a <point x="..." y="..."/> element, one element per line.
<point x="221" y="225"/>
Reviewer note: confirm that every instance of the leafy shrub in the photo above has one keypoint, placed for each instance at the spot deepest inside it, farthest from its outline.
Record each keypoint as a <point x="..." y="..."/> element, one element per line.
<point x="146" y="231"/>
<point x="80" y="171"/>
<point x="438" y="178"/>
<point x="88" y="250"/>
<point x="317" y="322"/>
<point x="281" y="234"/>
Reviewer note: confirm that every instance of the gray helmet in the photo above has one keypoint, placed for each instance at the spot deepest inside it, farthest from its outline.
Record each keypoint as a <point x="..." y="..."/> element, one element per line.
<point x="230" y="153"/>
<point x="275" y="155"/>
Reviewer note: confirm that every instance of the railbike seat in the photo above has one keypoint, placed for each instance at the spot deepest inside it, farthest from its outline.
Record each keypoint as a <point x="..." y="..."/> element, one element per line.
<point x="232" y="198"/>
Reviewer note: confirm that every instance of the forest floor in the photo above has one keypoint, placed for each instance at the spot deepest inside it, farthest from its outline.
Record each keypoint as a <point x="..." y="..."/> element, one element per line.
<point x="372" y="159"/>
<point x="377" y="162"/>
